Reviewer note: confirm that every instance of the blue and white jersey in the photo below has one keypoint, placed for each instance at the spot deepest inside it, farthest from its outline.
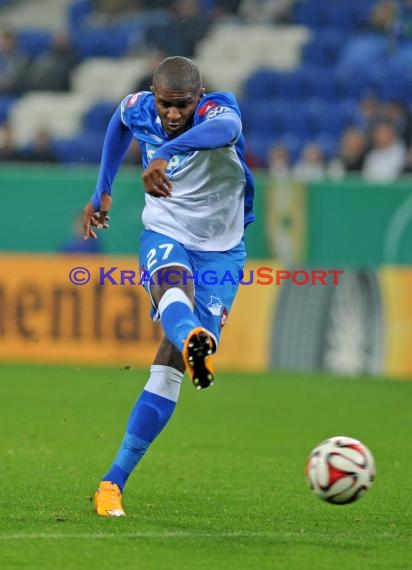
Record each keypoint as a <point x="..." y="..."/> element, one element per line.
<point x="212" y="194"/>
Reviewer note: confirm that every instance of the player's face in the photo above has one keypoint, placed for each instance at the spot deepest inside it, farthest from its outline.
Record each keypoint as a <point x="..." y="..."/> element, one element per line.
<point x="175" y="108"/>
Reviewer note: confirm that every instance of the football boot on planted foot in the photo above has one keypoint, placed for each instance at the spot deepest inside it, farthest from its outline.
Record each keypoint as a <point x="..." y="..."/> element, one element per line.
<point x="108" y="500"/>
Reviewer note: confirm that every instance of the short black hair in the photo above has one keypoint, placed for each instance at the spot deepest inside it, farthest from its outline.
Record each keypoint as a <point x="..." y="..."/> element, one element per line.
<point x="178" y="73"/>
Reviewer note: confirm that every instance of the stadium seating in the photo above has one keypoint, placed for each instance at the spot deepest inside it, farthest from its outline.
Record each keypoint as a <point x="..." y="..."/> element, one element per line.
<point x="323" y="48"/>
<point x="104" y="79"/>
<point x="6" y="104"/>
<point x="275" y="48"/>
<point x="98" y="116"/>
<point x="296" y="83"/>
<point x="60" y="114"/>
<point x="84" y="147"/>
<point x="333" y="14"/>
<point x="361" y="51"/>
<point x="34" y="41"/>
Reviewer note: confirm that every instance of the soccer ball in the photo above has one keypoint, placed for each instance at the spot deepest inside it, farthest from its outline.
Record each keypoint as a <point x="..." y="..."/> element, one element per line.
<point x="340" y="470"/>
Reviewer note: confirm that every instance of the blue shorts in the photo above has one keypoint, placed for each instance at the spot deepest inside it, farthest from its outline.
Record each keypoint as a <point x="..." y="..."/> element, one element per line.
<point x="216" y="275"/>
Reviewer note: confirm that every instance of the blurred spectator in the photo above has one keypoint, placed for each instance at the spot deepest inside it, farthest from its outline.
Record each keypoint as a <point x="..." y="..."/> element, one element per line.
<point x="156" y="4"/>
<point x="399" y="116"/>
<point x="8" y="151"/>
<point x="221" y="9"/>
<point x="187" y="27"/>
<point x="105" y="12"/>
<point x="112" y="7"/>
<point x="265" y="11"/>
<point x="40" y="149"/>
<point x="311" y="165"/>
<point x="352" y="151"/>
<point x="279" y="162"/>
<point x="407" y="167"/>
<point x="50" y="71"/>
<point x="13" y="64"/>
<point x="370" y="109"/>
<point x="386" y="160"/>
<point x="406" y="18"/>
<point x="383" y="17"/>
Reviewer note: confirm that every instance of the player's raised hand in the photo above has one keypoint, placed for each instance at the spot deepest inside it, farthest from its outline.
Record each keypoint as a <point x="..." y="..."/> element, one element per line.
<point x="156" y="183"/>
<point x="98" y="219"/>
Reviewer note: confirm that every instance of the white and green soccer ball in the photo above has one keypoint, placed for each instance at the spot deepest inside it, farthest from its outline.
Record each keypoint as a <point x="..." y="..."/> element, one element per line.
<point x="340" y="470"/>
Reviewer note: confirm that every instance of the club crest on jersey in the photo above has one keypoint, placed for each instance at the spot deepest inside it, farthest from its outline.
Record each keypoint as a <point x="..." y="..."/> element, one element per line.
<point x="223" y="317"/>
<point x="207" y="107"/>
<point x="176" y="161"/>
<point x="133" y="99"/>
<point x="215" y="111"/>
<point x="215" y="305"/>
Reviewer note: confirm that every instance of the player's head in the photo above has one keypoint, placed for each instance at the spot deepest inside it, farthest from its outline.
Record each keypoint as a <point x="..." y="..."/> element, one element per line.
<point x="177" y="88"/>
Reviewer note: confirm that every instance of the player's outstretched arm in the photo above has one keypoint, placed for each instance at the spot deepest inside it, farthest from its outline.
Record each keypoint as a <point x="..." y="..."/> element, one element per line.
<point x="221" y="131"/>
<point x="116" y="143"/>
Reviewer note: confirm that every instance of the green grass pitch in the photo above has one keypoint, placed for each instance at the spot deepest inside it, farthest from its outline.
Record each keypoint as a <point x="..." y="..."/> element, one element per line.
<point x="222" y="488"/>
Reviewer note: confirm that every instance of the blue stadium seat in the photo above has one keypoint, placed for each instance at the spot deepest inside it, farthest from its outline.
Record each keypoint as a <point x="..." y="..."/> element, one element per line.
<point x="332" y="14"/>
<point x="267" y="120"/>
<point x="207" y="6"/>
<point x="77" y="12"/>
<point x="98" y="116"/>
<point x="317" y="82"/>
<point x="361" y="12"/>
<point x="364" y="50"/>
<point x="351" y="112"/>
<point x="326" y="118"/>
<point x="328" y="143"/>
<point x="108" y="41"/>
<point x="6" y="103"/>
<point x="296" y="120"/>
<point x="268" y="84"/>
<point x="86" y="148"/>
<point x="335" y="15"/>
<point x="401" y="60"/>
<point x="34" y="42"/>
<point x="352" y="84"/>
<point x="305" y="14"/>
<point x="258" y="147"/>
<point x="323" y="49"/>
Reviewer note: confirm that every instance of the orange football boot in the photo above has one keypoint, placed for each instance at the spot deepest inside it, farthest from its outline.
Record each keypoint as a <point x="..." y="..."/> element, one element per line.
<point x="108" y="500"/>
<point x="197" y="355"/>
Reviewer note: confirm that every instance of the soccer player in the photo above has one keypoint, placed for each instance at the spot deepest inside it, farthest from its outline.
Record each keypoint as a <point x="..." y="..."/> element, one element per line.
<point x="199" y="195"/>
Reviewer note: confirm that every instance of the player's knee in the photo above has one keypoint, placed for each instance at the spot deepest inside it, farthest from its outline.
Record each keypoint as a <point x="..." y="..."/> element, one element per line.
<point x="173" y="277"/>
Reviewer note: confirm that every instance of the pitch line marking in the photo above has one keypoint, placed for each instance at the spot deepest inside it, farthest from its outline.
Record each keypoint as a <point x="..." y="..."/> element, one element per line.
<point x="141" y="534"/>
<point x="169" y="534"/>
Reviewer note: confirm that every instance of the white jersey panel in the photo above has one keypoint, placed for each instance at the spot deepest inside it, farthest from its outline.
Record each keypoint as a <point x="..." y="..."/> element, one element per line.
<point x="206" y="209"/>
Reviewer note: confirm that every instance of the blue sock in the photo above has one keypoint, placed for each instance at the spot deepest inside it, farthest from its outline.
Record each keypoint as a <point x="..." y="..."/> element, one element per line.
<point x="149" y="416"/>
<point x="177" y="316"/>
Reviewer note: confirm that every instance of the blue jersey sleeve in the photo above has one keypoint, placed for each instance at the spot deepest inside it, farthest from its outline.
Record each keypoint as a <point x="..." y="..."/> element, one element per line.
<point x="217" y="124"/>
<point x="116" y="143"/>
<point x="222" y="131"/>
